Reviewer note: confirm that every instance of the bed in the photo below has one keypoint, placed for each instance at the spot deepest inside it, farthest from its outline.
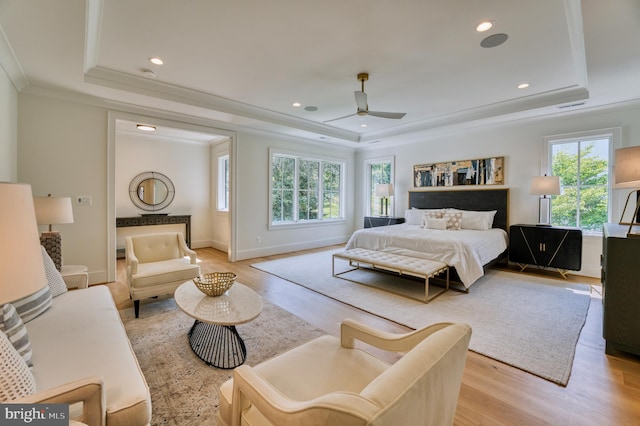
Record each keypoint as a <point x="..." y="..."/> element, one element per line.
<point x="466" y="251"/>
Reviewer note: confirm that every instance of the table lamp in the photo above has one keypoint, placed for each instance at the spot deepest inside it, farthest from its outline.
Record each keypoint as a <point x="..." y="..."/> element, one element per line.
<point x="544" y="186"/>
<point x="53" y="211"/>
<point x="627" y="175"/>
<point x="384" y="191"/>
<point x="21" y="267"/>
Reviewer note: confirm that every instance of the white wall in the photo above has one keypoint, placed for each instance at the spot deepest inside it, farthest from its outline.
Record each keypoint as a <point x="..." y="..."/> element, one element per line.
<point x="8" y="129"/>
<point x="188" y="165"/>
<point x="521" y="145"/>
<point x="220" y="221"/>
<point x="62" y="151"/>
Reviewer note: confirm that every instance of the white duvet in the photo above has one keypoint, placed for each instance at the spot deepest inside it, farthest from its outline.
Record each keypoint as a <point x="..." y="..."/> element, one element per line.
<point x="466" y="250"/>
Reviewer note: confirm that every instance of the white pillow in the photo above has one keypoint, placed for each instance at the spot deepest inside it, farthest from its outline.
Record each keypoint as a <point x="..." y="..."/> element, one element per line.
<point x="55" y="280"/>
<point x="413" y="216"/>
<point x="16" y="379"/>
<point x="478" y="220"/>
<point x="11" y="325"/>
<point x="436" y="223"/>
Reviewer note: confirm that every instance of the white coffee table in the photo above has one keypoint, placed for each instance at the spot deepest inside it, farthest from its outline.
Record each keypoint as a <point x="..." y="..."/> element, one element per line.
<point x="213" y="336"/>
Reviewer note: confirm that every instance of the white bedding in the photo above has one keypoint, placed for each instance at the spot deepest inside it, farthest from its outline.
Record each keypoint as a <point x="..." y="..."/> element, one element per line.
<point x="466" y="250"/>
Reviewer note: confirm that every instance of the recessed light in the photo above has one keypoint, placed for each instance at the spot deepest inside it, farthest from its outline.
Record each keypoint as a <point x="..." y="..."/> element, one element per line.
<point x="146" y="127"/>
<point x="311" y="108"/>
<point x="296" y="104"/>
<point x="156" y="61"/>
<point x="148" y="73"/>
<point x="363" y="125"/>
<point x="494" y="40"/>
<point x="484" y="26"/>
<point x="523" y="85"/>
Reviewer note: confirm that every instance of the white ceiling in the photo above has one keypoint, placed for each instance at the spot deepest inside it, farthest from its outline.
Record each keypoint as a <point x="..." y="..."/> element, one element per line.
<point x="245" y="62"/>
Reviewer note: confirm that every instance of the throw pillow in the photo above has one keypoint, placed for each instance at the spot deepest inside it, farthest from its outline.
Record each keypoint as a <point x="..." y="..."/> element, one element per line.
<point x="454" y="220"/>
<point x="33" y="305"/>
<point x="479" y="220"/>
<point x="436" y="223"/>
<point x="12" y="326"/>
<point x="413" y="216"/>
<point x="55" y="280"/>
<point x="16" y="379"/>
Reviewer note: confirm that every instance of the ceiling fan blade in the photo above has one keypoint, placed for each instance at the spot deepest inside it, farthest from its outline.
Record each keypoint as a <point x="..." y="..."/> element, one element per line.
<point x="339" y="118"/>
<point x="361" y="101"/>
<point x="394" y="115"/>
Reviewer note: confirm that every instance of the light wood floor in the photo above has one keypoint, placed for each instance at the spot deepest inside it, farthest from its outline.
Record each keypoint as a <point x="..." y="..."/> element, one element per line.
<point x="602" y="390"/>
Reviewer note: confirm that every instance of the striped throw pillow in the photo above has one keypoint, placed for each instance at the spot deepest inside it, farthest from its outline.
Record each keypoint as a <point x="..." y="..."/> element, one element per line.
<point x="12" y="326"/>
<point x="33" y="305"/>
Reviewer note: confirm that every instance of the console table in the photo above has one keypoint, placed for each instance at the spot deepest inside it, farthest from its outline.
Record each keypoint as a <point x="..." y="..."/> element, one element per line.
<point x="157" y="219"/>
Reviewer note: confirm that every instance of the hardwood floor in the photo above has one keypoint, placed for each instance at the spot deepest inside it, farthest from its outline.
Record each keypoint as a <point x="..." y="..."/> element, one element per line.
<point x="602" y="390"/>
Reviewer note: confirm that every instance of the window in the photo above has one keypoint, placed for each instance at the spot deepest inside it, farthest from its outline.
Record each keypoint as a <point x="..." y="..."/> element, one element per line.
<point x="582" y="163"/>
<point x="378" y="171"/>
<point x="223" y="183"/>
<point x="305" y="189"/>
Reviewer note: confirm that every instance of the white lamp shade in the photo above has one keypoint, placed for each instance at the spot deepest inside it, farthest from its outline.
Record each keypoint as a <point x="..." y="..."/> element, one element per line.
<point x="627" y="168"/>
<point x="545" y="185"/>
<point x="21" y="267"/>
<point x="53" y="210"/>
<point x="384" y="190"/>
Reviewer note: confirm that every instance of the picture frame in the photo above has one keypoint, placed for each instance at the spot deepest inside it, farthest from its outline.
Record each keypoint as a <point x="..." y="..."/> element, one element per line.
<point x="481" y="171"/>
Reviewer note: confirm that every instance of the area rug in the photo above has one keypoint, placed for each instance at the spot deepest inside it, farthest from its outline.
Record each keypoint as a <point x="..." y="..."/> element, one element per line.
<point x="531" y="323"/>
<point x="184" y="390"/>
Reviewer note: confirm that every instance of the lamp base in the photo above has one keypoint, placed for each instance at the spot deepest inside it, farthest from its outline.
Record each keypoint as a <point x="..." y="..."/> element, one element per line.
<point x="52" y="243"/>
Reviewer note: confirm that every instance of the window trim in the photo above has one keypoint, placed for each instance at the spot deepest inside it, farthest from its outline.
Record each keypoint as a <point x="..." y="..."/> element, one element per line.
<point x="343" y="162"/>
<point x="367" y="181"/>
<point x="223" y="185"/>
<point x="613" y="133"/>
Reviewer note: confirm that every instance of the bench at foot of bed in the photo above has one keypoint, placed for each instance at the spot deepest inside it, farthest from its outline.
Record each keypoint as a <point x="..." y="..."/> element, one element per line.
<point x="403" y="265"/>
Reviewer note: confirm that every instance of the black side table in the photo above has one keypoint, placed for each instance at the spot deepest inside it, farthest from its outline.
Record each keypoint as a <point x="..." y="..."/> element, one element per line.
<point x="375" y="221"/>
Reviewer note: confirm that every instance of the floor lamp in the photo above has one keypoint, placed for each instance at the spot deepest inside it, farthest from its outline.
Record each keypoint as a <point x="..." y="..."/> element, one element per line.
<point x="384" y="191"/>
<point x="545" y="186"/>
<point x="21" y="267"/>
<point x="53" y="211"/>
<point x="627" y="175"/>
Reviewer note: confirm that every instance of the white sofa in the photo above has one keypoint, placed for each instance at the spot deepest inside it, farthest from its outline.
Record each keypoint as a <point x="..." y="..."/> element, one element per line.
<point x="79" y="341"/>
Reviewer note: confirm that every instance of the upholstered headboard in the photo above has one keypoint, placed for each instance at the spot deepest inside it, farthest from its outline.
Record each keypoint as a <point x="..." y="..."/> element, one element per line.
<point x="467" y="199"/>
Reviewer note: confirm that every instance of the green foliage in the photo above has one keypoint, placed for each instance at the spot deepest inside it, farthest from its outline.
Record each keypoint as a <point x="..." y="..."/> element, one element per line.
<point x="380" y="173"/>
<point x="584" y="179"/>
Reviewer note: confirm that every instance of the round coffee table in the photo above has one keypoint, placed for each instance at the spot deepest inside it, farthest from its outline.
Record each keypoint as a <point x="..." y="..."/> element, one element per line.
<point x="213" y="336"/>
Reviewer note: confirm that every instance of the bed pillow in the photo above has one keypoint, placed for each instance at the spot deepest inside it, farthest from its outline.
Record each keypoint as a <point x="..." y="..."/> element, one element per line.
<point x="413" y="216"/>
<point x="477" y="220"/>
<point x="435" y="223"/>
<point x="454" y="220"/>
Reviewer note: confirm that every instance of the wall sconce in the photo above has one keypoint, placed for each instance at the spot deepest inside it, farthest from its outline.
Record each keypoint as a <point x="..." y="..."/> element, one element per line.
<point x="627" y="175"/>
<point x="53" y="211"/>
<point x="544" y="186"/>
<point x="384" y="191"/>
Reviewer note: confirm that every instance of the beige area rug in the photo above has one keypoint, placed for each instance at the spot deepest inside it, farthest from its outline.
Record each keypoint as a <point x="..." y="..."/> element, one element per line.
<point x="184" y="390"/>
<point x="528" y="322"/>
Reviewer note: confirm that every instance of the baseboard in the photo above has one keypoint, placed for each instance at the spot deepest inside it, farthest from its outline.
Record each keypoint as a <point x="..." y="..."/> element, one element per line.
<point x="288" y="248"/>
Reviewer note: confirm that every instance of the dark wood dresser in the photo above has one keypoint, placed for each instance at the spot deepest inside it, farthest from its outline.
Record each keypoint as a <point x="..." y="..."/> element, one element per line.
<point x="620" y="278"/>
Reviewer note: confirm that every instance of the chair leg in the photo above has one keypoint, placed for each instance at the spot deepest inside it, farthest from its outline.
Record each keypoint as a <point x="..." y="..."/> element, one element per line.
<point x="136" y="307"/>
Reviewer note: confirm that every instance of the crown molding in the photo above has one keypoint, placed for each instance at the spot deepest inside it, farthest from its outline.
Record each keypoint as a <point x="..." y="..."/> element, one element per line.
<point x="10" y="63"/>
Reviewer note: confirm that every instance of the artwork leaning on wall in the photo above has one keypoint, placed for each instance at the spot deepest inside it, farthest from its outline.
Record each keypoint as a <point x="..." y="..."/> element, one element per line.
<point x="483" y="171"/>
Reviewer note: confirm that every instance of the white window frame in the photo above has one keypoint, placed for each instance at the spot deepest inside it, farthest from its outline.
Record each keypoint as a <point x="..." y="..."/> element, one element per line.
<point x="367" y="182"/>
<point x="614" y="134"/>
<point x="313" y="222"/>
<point x="222" y="202"/>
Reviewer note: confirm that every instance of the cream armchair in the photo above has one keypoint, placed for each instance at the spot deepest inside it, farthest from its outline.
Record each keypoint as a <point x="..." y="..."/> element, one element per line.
<point x="328" y="381"/>
<point x="157" y="264"/>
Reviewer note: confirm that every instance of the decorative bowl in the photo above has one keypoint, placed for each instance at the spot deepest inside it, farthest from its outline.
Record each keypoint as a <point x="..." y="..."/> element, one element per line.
<point x="215" y="283"/>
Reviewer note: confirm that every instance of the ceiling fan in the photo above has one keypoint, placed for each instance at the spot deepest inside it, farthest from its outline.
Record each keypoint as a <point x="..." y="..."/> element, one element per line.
<point x="363" y="106"/>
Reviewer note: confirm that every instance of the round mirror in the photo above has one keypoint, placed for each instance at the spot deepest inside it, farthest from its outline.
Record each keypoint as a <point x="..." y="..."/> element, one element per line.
<point x="151" y="191"/>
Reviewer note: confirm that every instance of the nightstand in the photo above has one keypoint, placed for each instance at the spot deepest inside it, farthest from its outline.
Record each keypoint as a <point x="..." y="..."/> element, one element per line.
<point x="75" y="276"/>
<point x="375" y="221"/>
<point x="546" y="246"/>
